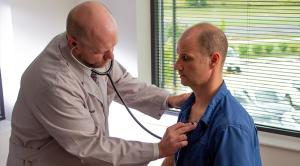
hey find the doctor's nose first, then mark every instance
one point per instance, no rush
(109, 55)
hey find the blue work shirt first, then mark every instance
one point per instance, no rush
(225, 135)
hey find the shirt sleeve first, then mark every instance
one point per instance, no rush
(156, 150)
(63, 114)
(233, 146)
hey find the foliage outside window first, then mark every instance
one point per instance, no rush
(262, 67)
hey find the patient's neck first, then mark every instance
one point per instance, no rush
(203, 96)
(197, 112)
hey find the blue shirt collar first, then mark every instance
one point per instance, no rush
(186, 107)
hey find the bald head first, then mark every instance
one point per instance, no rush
(90, 19)
(209, 39)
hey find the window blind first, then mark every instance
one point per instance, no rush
(262, 67)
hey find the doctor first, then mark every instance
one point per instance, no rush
(61, 115)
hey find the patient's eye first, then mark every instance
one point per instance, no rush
(185, 57)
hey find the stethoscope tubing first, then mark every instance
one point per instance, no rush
(107, 73)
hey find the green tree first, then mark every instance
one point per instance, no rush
(257, 49)
(170, 30)
(168, 66)
(222, 26)
(197, 3)
(282, 47)
(269, 48)
(293, 48)
(243, 49)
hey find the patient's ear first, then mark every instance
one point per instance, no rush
(215, 59)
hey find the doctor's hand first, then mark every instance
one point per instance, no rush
(168, 161)
(178, 100)
(174, 138)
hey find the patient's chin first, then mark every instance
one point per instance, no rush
(184, 82)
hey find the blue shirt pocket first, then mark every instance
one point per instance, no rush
(196, 153)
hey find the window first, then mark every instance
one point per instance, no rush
(2, 116)
(262, 67)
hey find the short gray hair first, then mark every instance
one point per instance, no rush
(212, 39)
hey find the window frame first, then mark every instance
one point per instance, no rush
(155, 39)
(2, 111)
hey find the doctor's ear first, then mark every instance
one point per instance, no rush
(74, 44)
(71, 41)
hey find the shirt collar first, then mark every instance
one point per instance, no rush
(211, 108)
(186, 107)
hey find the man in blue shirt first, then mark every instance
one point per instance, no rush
(225, 135)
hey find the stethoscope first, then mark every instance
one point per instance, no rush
(107, 73)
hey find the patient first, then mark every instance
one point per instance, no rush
(225, 134)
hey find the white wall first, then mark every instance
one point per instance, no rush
(26, 27)
(273, 156)
(31, 24)
(34, 22)
(125, 51)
